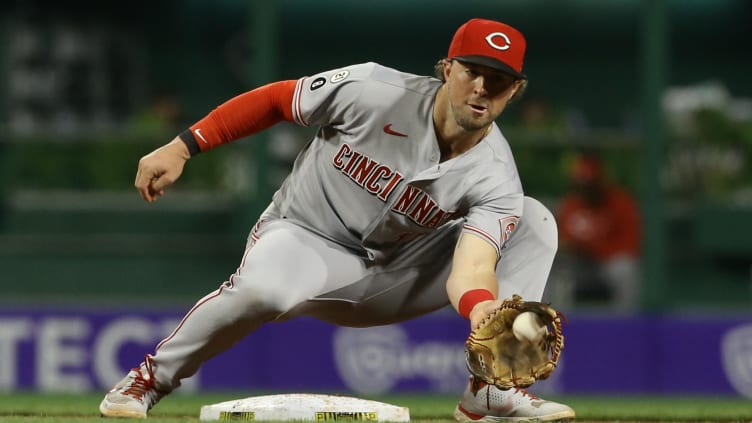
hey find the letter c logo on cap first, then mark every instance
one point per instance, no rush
(506, 42)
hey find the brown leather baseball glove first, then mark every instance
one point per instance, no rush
(497, 357)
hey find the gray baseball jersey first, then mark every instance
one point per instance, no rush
(362, 231)
(371, 179)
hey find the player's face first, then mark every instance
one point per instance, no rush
(477, 94)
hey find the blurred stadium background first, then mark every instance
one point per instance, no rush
(91, 277)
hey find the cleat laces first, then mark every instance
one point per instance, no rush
(525, 393)
(142, 384)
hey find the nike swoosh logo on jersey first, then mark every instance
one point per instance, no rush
(388, 129)
(198, 132)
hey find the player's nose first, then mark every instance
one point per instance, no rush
(480, 87)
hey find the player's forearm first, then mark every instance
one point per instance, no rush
(460, 285)
(473, 278)
(241, 116)
(468, 294)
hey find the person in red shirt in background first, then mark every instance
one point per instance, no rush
(600, 232)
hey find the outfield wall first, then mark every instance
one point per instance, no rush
(79, 350)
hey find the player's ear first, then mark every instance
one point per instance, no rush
(518, 90)
(447, 68)
(513, 92)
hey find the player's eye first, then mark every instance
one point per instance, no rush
(503, 82)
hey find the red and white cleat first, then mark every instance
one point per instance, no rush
(134, 395)
(488, 403)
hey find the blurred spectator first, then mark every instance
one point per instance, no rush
(600, 233)
(163, 114)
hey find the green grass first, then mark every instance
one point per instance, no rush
(48, 408)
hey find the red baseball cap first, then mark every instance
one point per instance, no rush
(489, 43)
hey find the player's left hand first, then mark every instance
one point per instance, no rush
(160, 169)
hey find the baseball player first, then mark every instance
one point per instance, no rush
(407, 199)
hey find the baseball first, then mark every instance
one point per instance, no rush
(528, 327)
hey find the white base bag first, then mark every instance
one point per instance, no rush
(307, 407)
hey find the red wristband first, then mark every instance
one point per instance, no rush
(472, 297)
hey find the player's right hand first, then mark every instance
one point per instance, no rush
(482, 310)
(160, 169)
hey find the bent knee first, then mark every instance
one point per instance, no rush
(261, 298)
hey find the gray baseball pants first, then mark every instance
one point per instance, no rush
(288, 271)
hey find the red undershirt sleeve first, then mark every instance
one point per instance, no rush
(241, 116)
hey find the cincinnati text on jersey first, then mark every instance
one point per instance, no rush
(381, 180)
